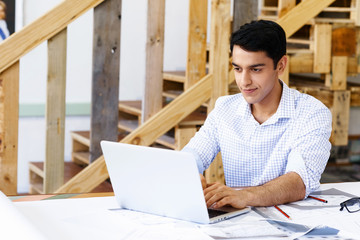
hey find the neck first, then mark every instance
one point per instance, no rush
(265, 109)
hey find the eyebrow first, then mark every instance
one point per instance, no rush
(251, 66)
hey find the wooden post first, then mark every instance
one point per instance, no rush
(322, 48)
(196, 52)
(355, 15)
(219, 67)
(9, 123)
(106, 69)
(339, 72)
(340, 113)
(183, 134)
(286, 74)
(244, 11)
(152, 101)
(55, 113)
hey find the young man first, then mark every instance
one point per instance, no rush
(274, 141)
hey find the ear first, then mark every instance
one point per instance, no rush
(282, 64)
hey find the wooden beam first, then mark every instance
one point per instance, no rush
(105, 79)
(183, 134)
(322, 48)
(286, 74)
(146, 134)
(244, 11)
(355, 15)
(42, 29)
(196, 52)
(301, 63)
(339, 73)
(301, 14)
(219, 66)
(285, 6)
(9, 122)
(152, 99)
(340, 113)
(55, 113)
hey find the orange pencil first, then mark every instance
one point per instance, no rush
(284, 213)
(319, 199)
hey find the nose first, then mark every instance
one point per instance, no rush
(243, 79)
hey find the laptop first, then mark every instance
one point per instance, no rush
(160, 181)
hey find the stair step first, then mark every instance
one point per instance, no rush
(130, 107)
(176, 76)
(131, 125)
(81, 158)
(82, 137)
(70, 170)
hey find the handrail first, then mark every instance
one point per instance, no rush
(42, 29)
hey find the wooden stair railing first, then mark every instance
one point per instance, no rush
(51, 26)
(188, 101)
(145, 134)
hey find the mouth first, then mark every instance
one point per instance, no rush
(248, 91)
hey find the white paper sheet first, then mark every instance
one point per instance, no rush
(13, 225)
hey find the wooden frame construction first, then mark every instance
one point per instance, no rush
(155, 118)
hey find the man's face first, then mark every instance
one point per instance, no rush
(255, 75)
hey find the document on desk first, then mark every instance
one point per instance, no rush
(314, 213)
(11, 220)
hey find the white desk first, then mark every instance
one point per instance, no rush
(90, 218)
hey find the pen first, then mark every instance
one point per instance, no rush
(319, 199)
(284, 213)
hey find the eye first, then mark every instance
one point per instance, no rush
(256, 69)
(237, 69)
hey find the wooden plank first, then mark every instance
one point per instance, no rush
(322, 48)
(196, 48)
(42, 29)
(183, 135)
(301, 14)
(55, 113)
(285, 6)
(301, 63)
(355, 14)
(285, 75)
(152, 98)
(343, 41)
(339, 73)
(244, 11)
(219, 66)
(340, 113)
(178, 76)
(105, 78)
(145, 134)
(9, 122)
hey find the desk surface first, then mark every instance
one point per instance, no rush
(39, 197)
(88, 215)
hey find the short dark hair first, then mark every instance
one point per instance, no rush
(261, 35)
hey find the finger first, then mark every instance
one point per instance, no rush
(215, 197)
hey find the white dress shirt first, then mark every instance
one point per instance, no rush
(294, 139)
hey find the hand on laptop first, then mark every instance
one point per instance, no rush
(218, 195)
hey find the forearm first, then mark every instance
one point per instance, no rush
(284, 189)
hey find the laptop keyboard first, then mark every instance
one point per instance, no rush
(215, 213)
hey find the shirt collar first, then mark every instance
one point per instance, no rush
(286, 107)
